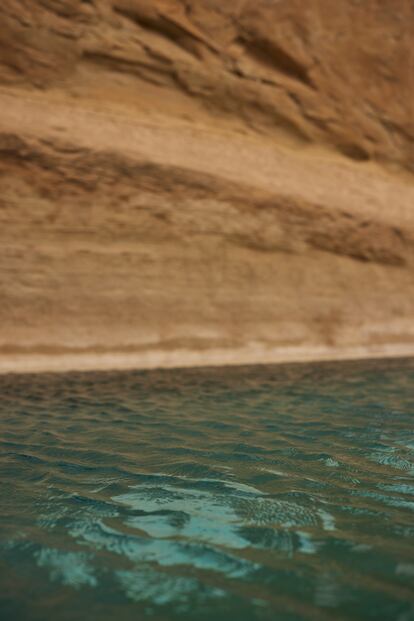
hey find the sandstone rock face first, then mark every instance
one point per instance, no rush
(195, 181)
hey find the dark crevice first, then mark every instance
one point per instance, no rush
(168, 28)
(274, 57)
(354, 152)
(136, 67)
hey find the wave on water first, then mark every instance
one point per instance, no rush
(250, 492)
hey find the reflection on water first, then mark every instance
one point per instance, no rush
(253, 493)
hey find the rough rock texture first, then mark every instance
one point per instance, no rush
(190, 181)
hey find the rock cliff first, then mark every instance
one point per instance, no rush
(199, 181)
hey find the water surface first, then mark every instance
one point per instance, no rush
(266, 493)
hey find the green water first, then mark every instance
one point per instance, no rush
(268, 493)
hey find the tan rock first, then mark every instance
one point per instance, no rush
(192, 181)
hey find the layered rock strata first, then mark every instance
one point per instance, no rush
(196, 182)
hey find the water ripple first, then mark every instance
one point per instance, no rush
(253, 493)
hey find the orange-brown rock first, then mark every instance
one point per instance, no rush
(190, 181)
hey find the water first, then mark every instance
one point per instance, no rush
(268, 493)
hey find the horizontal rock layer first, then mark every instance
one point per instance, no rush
(187, 182)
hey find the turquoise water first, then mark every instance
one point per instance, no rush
(268, 493)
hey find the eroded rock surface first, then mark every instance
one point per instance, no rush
(192, 180)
